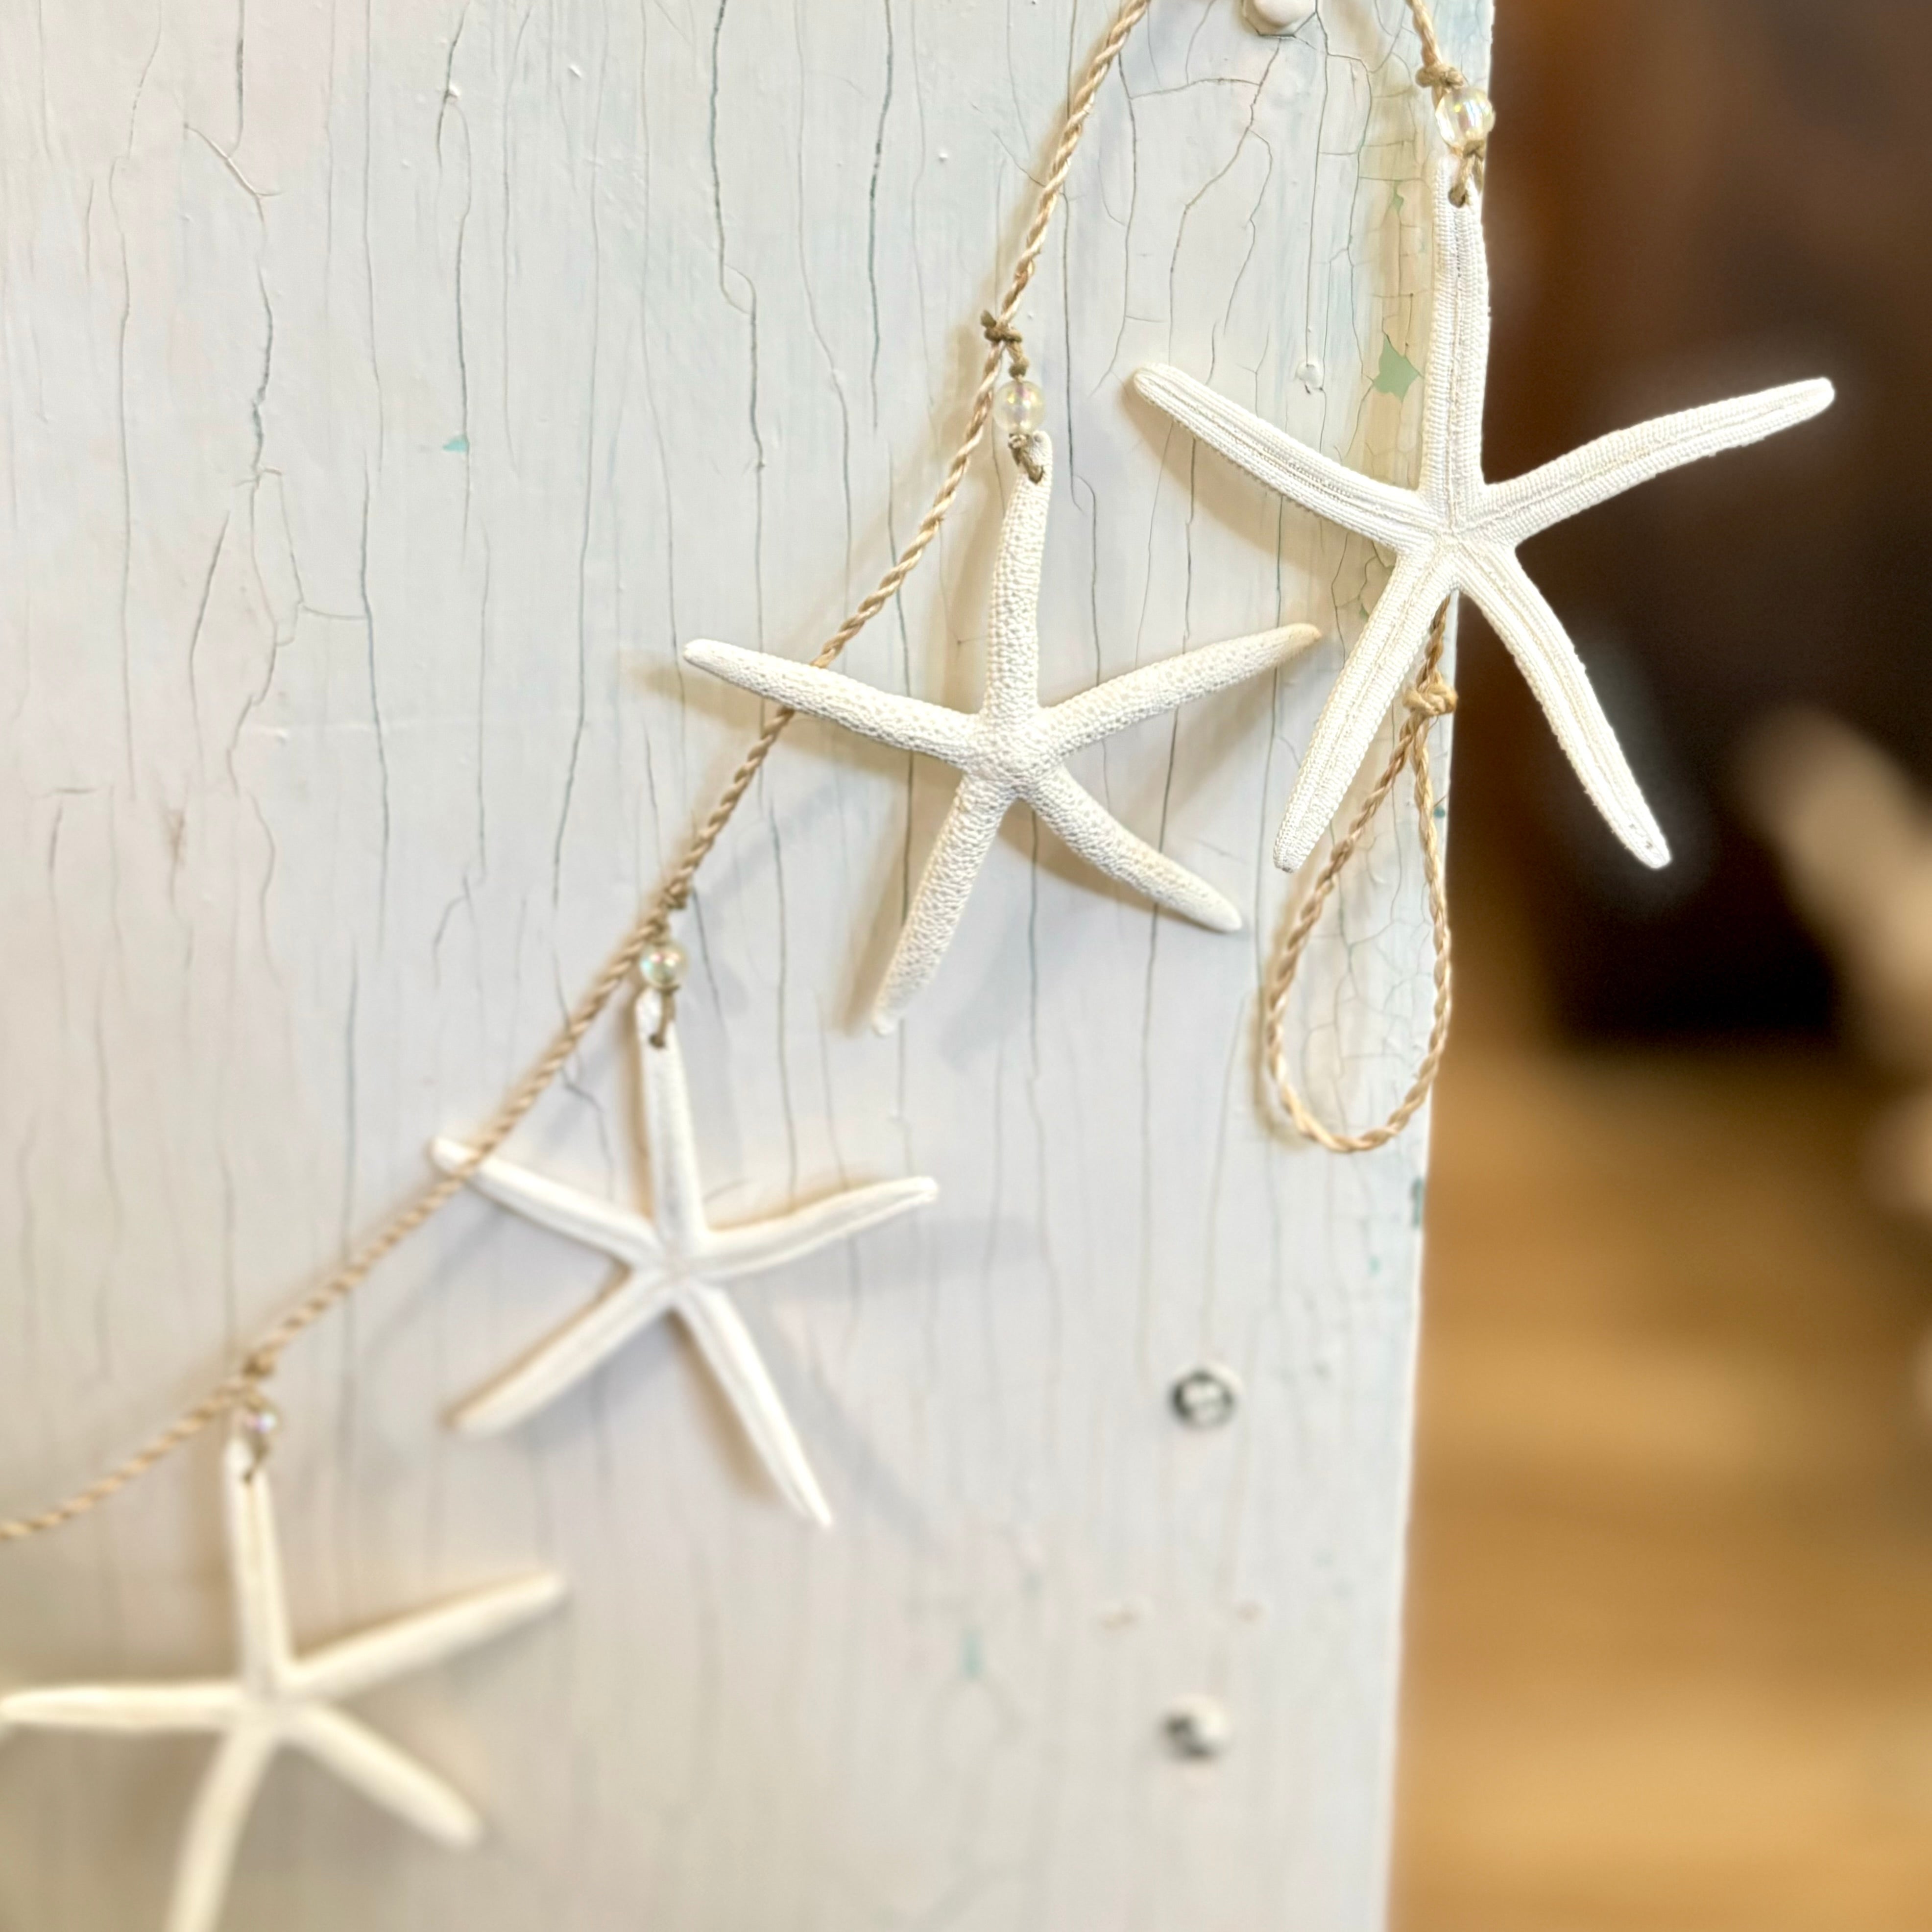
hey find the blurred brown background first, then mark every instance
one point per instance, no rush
(1671, 1659)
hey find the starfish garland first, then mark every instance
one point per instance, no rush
(1457, 533)
(1013, 748)
(278, 1698)
(673, 1262)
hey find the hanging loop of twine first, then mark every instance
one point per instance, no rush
(233, 1395)
(1442, 78)
(1430, 698)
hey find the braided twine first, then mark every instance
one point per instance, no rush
(1431, 696)
(241, 1391)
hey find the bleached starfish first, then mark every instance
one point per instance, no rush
(673, 1264)
(1458, 533)
(276, 1699)
(1013, 747)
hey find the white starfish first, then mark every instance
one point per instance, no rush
(1458, 533)
(276, 1699)
(672, 1263)
(1013, 747)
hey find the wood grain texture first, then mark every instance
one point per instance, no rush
(387, 390)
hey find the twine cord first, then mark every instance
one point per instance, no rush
(1443, 78)
(1431, 696)
(242, 1389)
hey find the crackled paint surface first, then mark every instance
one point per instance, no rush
(388, 390)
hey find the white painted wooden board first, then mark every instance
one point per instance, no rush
(386, 388)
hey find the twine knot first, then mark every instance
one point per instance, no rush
(1440, 77)
(1431, 696)
(1002, 335)
(256, 1371)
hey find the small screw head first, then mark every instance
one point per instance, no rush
(1198, 1728)
(1206, 1397)
(663, 967)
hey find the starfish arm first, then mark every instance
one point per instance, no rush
(964, 841)
(255, 1563)
(345, 1670)
(907, 722)
(1459, 349)
(1086, 827)
(576, 1215)
(1382, 657)
(764, 1244)
(221, 1808)
(670, 1141)
(720, 1333)
(1175, 681)
(1548, 661)
(1012, 613)
(1397, 518)
(581, 1346)
(1515, 511)
(385, 1776)
(127, 1709)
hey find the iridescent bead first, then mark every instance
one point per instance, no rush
(257, 1423)
(663, 967)
(1467, 117)
(1019, 406)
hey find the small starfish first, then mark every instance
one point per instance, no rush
(672, 1263)
(1458, 533)
(1014, 747)
(278, 1698)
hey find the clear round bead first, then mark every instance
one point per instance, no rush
(1466, 116)
(1310, 375)
(257, 1423)
(1019, 406)
(663, 967)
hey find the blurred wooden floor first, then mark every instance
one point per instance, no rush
(1671, 1625)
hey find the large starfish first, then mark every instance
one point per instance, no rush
(278, 1698)
(1457, 533)
(673, 1264)
(1013, 747)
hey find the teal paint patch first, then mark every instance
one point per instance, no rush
(1398, 375)
(458, 445)
(1418, 1199)
(972, 1656)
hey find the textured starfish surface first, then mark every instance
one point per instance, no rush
(278, 1698)
(673, 1264)
(1013, 748)
(1458, 533)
